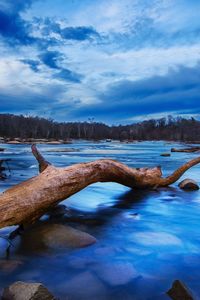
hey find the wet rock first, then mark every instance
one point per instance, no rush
(26, 291)
(165, 154)
(106, 251)
(81, 262)
(188, 184)
(13, 142)
(84, 286)
(118, 273)
(54, 142)
(58, 211)
(55, 237)
(179, 291)
(149, 238)
(9, 266)
(134, 216)
(2, 149)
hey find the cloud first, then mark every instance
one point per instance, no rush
(177, 92)
(108, 57)
(51, 59)
(68, 75)
(12, 27)
(15, 6)
(33, 64)
(78, 33)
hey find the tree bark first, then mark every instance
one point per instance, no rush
(29, 200)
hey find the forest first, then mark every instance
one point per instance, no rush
(29, 127)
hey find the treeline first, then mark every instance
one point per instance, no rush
(24, 127)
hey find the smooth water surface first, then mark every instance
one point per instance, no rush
(145, 239)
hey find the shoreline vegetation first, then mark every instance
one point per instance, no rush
(17, 129)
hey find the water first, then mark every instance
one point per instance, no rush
(145, 239)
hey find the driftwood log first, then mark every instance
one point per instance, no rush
(29, 200)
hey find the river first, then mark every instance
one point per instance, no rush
(145, 239)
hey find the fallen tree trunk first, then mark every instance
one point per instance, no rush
(29, 200)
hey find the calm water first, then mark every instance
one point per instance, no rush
(145, 239)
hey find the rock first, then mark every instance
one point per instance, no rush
(13, 142)
(118, 273)
(54, 143)
(26, 291)
(148, 238)
(179, 291)
(134, 216)
(77, 262)
(9, 266)
(83, 286)
(2, 149)
(58, 211)
(188, 184)
(165, 154)
(55, 237)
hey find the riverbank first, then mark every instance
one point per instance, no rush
(16, 141)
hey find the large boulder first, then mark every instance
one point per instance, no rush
(54, 237)
(179, 291)
(188, 184)
(26, 291)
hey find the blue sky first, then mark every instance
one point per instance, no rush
(117, 61)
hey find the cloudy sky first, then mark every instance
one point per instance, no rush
(117, 61)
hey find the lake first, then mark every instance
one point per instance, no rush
(145, 239)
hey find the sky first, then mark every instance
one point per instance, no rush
(112, 60)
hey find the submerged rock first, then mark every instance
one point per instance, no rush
(9, 266)
(26, 291)
(118, 273)
(84, 286)
(179, 291)
(148, 238)
(188, 184)
(60, 236)
(55, 237)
